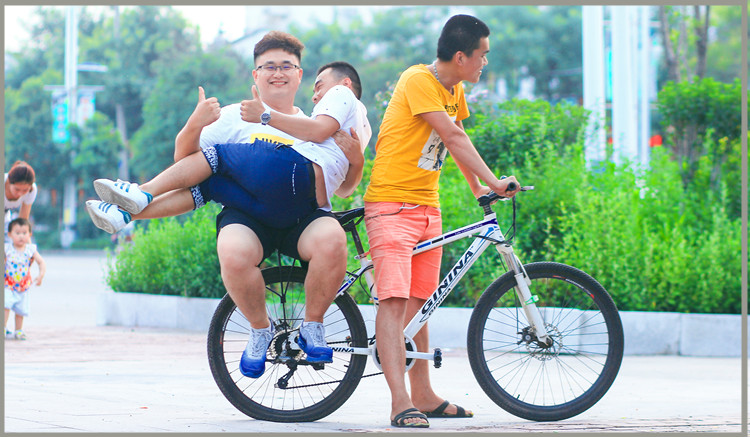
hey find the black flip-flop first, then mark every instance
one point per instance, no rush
(440, 412)
(400, 420)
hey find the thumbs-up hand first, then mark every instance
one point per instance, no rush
(250, 110)
(206, 111)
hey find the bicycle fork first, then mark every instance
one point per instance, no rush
(528, 300)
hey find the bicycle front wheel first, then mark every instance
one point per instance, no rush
(290, 390)
(546, 383)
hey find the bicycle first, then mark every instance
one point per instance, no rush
(546, 351)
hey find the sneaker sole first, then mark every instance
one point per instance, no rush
(101, 222)
(315, 360)
(110, 195)
(319, 361)
(251, 375)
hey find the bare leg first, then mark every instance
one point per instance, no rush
(19, 322)
(323, 245)
(390, 342)
(422, 394)
(7, 315)
(188, 171)
(170, 204)
(240, 252)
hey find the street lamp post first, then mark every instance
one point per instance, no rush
(65, 101)
(67, 235)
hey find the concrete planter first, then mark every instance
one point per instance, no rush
(646, 333)
(155, 311)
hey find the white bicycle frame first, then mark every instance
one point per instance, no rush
(487, 232)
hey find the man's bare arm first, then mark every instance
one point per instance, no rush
(206, 112)
(316, 129)
(352, 148)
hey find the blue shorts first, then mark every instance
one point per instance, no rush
(271, 183)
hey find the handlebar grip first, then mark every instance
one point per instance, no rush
(492, 196)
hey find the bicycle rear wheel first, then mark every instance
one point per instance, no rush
(290, 390)
(554, 383)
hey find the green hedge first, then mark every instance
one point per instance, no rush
(650, 247)
(653, 243)
(170, 256)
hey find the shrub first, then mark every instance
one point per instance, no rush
(648, 247)
(170, 257)
(506, 133)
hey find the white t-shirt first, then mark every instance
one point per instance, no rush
(341, 104)
(230, 128)
(26, 199)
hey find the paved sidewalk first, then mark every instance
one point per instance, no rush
(73, 376)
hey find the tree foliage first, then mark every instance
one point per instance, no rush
(44, 50)
(543, 43)
(173, 98)
(146, 41)
(722, 60)
(699, 114)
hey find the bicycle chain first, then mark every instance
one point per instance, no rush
(331, 382)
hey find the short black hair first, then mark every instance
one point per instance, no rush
(279, 40)
(344, 69)
(20, 221)
(461, 34)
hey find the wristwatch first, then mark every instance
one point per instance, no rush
(265, 117)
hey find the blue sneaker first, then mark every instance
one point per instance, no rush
(312, 340)
(253, 361)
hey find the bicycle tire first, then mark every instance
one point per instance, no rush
(311, 394)
(546, 384)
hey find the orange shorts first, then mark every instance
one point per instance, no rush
(393, 229)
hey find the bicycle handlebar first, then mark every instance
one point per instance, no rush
(492, 196)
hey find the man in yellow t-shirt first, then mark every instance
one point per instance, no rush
(421, 124)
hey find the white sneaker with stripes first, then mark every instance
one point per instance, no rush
(122, 193)
(107, 216)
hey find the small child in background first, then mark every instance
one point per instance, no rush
(19, 255)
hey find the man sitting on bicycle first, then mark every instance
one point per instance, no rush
(422, 122)
(255, 222)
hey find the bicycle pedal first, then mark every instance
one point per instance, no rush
(438, 358)
(318, 366)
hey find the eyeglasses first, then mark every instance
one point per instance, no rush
(272, 68)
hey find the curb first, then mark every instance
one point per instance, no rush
(646, 333)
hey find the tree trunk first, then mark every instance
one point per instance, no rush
(701, 43)
(682, 46)
(673, 72)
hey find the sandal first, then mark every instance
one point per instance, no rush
(440, 412)
(400, 420)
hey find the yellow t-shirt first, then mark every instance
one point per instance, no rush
(409, 153)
